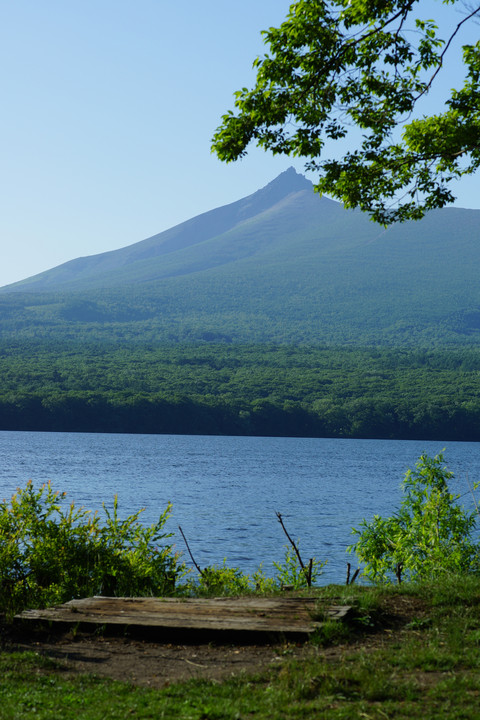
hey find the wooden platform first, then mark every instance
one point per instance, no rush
(276, 615)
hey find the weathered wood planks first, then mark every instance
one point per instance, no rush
(275, 615)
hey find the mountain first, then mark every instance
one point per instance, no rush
(218, 237)
(281, 265)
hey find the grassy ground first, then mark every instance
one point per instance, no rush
(408, 652)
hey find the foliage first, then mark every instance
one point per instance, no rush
(429, 536)
(242, 390)
(215, 581)
(359, 71)
(224, 580)
(291, 574)
(50, 555)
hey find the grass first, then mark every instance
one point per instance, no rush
(409, 652)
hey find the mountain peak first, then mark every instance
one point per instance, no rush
(287, 182)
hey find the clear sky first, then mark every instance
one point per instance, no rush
(108, 109)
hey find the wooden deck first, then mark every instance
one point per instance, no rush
(274, 616)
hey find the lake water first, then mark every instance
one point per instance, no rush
(225, 490)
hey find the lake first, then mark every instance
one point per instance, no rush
(225, 490)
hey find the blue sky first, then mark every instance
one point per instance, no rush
(107, 115)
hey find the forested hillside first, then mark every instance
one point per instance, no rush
(281, 314)
(281, 266)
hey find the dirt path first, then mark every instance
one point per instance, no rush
(147, 663)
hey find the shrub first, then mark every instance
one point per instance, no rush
(430, 534)
(223, 580)
(291, 574)
(49, 555)
(214, 581)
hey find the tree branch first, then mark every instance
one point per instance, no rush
(442, 55)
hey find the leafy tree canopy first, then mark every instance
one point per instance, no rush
(335, 70)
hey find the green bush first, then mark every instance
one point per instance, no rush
(49, 555)
(222, 580)
(215, 581)
(291, 574)
(430, 535)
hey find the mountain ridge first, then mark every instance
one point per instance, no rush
(281, 265)
(187, 234)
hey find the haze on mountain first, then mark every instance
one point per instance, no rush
(281, 265)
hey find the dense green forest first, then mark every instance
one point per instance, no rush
(241, 389)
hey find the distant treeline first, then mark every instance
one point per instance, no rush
(242, 390)
(357, 418)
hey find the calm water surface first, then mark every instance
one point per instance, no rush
(225, 490)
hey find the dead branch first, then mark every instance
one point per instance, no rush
(351, 580)
(190, 552)
(280, 520)
(307, 571)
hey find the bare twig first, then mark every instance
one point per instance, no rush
(351, 580)
(280, 520)
(190, 552)
(307, 571)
